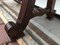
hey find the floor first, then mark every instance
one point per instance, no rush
(49, 27)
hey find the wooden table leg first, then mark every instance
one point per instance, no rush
(25, 13)
(50, 6)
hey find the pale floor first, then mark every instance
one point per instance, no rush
(49, 27)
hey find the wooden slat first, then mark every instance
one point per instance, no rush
(3, 18)
(21, 42)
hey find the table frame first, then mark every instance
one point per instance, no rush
(26, 12)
